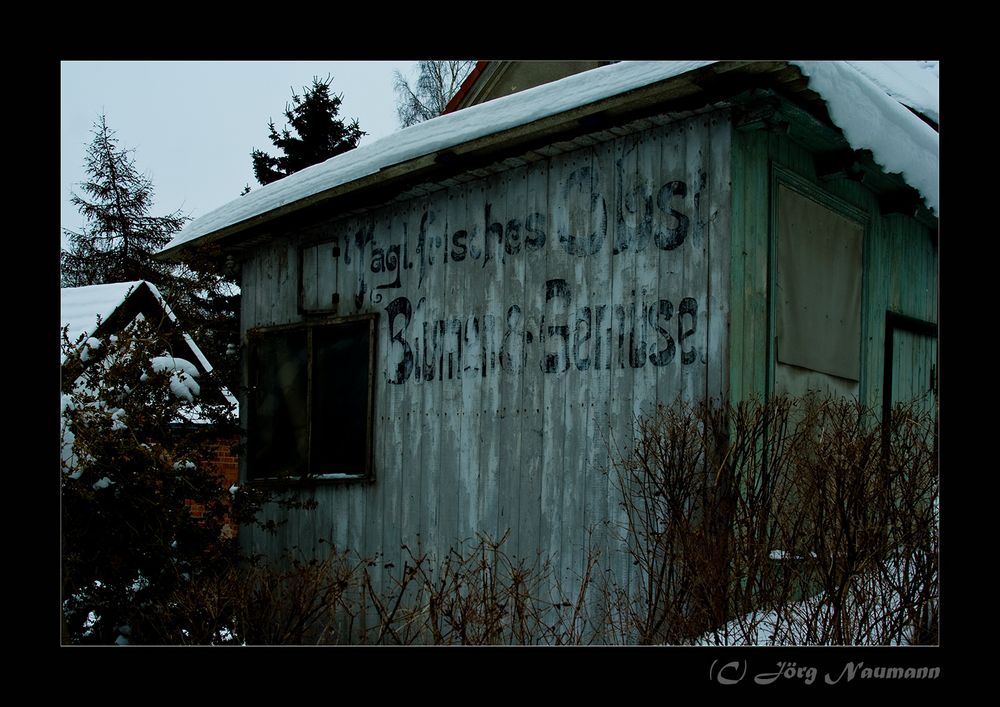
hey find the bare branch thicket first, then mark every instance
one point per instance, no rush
(790, 522)
(481, 596)
(795, 521)
(292, 602)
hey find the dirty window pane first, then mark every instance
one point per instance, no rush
(277, 418)
(341, 416)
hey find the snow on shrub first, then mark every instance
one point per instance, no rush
(182, 376)
(90, 346)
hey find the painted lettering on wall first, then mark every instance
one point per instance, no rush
(640, 331)
(404, 261)
(378, 265)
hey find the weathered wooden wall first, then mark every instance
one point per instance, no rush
(528, 315)
(525, 319)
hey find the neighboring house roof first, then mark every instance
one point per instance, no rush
(80, 307)
(868, 111)
(95, 310)
(466, 86)
(492, 79)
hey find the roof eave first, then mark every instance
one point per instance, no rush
(690, 86)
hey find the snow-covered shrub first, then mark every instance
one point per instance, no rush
(133, 463)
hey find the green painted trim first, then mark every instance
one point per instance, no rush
(748, 272)
(782, 175)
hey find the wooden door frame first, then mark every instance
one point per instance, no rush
(899, 322)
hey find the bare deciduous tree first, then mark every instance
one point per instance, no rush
(437, 83)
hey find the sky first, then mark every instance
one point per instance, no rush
(193, 124)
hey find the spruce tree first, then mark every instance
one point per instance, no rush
(120, 238)
(120, 235)
(316, 134)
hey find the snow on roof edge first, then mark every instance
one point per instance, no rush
(858, 105)
(871, 119)
(195, 349)
(202, 359)
(907, 82)
(439, 133)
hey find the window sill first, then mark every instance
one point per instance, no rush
(317, 480)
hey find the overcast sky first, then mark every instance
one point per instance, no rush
(193, 124)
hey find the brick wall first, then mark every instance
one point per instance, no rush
(222, 460)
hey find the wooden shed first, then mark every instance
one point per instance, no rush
(445, 331)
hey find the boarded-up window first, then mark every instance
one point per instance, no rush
(311, 400)
(819, 286)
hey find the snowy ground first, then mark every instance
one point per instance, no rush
(800, 623)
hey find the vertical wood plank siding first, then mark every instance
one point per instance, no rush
(525, 319)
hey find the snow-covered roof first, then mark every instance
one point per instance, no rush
(912, 83)
(865, 100)
(80, 307)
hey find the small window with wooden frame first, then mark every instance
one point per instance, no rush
(311, 400)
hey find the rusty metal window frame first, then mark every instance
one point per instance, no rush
(254, 336)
